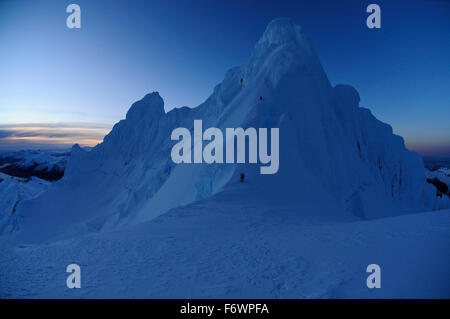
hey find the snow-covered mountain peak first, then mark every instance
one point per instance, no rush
(282, 32)
(151, 105)
(76, 148)
(336, 158)
(347, 95)
(284, 51)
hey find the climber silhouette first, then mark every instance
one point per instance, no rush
(242, 178)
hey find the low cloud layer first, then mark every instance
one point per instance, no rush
(51, 135)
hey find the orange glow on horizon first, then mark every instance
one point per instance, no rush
(52, 134)
(55, 140)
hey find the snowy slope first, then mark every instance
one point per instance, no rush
(12, 192)
(224, 247)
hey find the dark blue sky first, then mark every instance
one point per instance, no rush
(125, 49)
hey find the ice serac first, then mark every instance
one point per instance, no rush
(336, 158)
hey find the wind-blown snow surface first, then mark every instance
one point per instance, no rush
(15, 190)
(119, 210)
(224, 247)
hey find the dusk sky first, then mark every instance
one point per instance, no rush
(59, 86)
